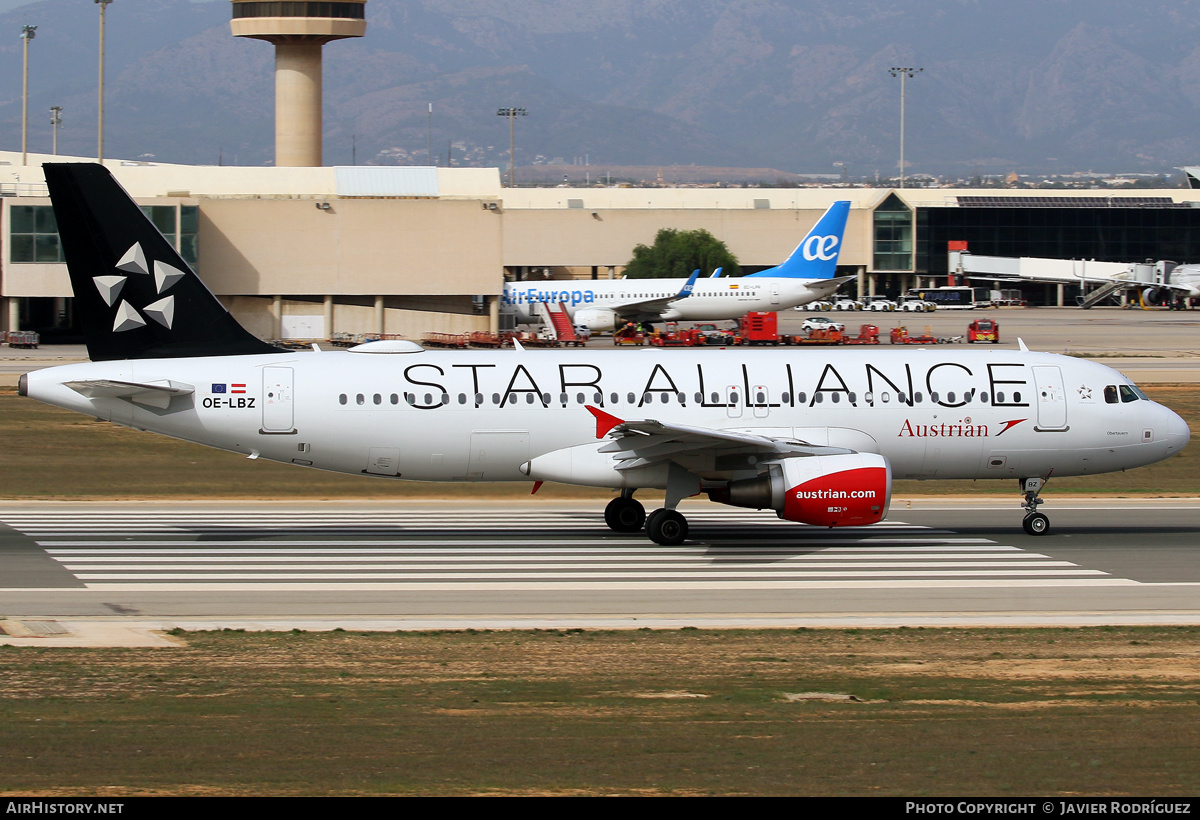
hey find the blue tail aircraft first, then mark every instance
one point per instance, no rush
(807, 275)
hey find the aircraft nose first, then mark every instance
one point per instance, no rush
(1177, 432)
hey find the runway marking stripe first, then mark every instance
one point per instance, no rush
(347, 551)
(505, 567)
(486, 546)
(575, 586)
(367, 556)
(500, 576)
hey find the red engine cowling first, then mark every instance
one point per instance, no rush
(851, 489)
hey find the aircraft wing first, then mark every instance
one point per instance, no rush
(650, 310)
(646, 442)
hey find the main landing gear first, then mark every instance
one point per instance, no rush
(625, 514)
(1035, 523)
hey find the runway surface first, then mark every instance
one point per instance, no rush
(430, 564)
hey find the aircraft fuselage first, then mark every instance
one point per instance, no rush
(481, 415)
(711, 299)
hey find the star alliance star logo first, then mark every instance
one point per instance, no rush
(1085, 392)
(133, 262)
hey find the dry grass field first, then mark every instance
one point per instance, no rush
(912, 712)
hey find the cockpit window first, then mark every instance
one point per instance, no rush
(1129, 393)
(1110, 394)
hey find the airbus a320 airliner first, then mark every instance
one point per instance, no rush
(816, 436)
(807, 275)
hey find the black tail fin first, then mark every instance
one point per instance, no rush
(136, 297)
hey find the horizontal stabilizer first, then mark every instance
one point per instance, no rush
(152, 394)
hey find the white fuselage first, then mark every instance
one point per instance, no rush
(481, 415)
(1187, 277)
(711, 299)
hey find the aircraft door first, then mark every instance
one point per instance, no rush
(774, 293)
(277, 400)
(1051, 398)
(760, 400)
(734, 401)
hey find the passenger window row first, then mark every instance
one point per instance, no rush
(1126, 393)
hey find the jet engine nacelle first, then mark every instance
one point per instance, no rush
(851, 489)
(596, 320)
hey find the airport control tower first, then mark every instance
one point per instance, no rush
(299, 30)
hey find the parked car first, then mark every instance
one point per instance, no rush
(847, 304)
(878, 303)
(815, 306)
(821, 323)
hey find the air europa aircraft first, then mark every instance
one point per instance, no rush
(817, 437)
(807, 275)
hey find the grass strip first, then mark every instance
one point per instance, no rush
(970, 712)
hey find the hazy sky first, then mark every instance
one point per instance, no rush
(9, 5)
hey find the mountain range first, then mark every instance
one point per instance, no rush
(1025, 85)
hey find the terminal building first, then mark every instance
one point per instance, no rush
(301, 251)
(311, 252)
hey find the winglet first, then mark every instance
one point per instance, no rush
(686, 290)
(604, 421)
(1021, 343)
(716, 274)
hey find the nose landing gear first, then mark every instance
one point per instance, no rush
(1035, 523)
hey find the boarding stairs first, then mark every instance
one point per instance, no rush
(1101, 293)
(557, 322)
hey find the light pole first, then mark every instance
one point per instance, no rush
(903, 74)
(511, 113)
(429, 136)
(26, 36)
(100, 125)
(55, 122)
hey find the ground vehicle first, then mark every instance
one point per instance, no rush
(821, 323)
(760, 328)
(910, 304)
(878, 303)
(900, 336)
(815, 307)
(983, 330)
(959, 297)
(867, 335)
(629, 335)
(847, 304)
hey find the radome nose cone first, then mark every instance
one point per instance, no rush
(1178, 432)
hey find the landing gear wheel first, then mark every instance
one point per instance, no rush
(667, 527)
(1036, 524)
(624, 515)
